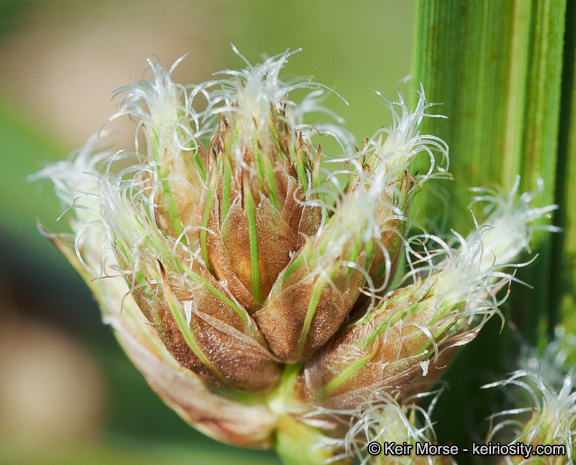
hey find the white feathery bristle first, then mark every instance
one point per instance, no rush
(258, 89)
(77, 183)
(164, 107)
(553, 410)
(472, 272)
(458, 278)
(252, 93)
(404, 142)
(509, 229)
(550, 363)
(382, 418)
(75, 178)
(359, 209)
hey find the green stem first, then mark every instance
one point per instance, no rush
(563, 291)
(496, 68)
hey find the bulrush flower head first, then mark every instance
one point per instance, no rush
(113, 235)
(249, 286)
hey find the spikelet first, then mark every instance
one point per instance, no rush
(444, 306)
(315, 293)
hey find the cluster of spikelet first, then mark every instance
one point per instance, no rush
(260, 295)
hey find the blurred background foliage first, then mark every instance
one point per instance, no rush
(67, 393)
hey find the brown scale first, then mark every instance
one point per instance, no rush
(393, 356)
(283, 316)
(238, 352)
(279, 231)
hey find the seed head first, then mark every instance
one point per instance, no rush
(255, 291)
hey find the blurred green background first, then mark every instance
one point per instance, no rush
(67, 393)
